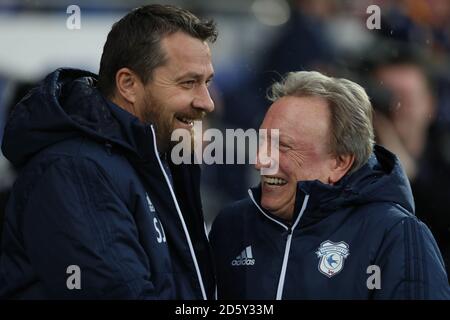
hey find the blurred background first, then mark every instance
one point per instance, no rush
(404, 66)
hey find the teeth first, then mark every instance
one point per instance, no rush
(187, 121)
(277, 181)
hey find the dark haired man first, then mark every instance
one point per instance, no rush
(98, 210)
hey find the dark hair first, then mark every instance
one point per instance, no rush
(134, 41)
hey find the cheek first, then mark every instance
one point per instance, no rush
(311, 167)
(321, 170)
(290, 165)
(141, 95)
(180, 99)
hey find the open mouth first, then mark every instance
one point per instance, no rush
(186, 121)
(274, 181)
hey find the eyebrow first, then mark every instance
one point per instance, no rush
(282, 136)
(194, 75)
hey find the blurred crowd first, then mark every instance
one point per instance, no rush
(404, 67)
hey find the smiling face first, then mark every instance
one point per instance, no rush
(304, 127)
(177, 94)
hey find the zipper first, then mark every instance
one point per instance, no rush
(284, 266)
(288, 241)
(250, 193)
(191, 248)
(288, 249)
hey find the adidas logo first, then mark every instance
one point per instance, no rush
(245, 258)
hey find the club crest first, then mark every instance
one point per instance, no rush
(332, 256)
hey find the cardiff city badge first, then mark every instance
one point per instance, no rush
(332, 257)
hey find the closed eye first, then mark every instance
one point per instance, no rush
(188, 84)
(284, 146)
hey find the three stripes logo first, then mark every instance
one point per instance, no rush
(244, 259)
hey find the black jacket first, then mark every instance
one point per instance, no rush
(341, 234)
(93, 193)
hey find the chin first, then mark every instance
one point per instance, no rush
(267, 204)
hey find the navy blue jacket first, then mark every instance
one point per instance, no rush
(93, 192)
(358, 239)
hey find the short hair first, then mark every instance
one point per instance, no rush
(350, 107)
(134, 41)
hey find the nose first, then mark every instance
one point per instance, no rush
(202, 99)
(262, 159)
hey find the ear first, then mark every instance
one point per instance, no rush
(128, 85)
(341, 165)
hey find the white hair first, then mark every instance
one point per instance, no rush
(350, 107)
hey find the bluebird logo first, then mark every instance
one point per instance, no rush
(332, 256)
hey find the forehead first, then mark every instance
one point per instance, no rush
(186, 53)
(299, 117)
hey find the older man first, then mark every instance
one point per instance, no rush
(336, 221)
